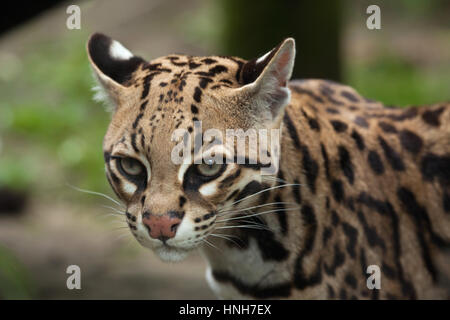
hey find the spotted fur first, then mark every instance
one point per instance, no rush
(359, 183)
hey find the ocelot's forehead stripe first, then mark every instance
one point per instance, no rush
(133, 142)
(146, 84)
(197, 95)
(137, 120)
(143, 106)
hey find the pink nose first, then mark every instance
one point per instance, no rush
(162, 227)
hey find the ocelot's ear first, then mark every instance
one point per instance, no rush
(265, 78)
(113, 66)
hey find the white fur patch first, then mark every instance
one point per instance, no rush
(222, 291)
(208, 189)
(253, 254)
(185, 230)
(253, 271)
(129, 188)
(119, 52)
(182, 171)
(179, 246)
(261, 59)
(101, 96)
(171, 254)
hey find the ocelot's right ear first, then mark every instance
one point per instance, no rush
(113, 66)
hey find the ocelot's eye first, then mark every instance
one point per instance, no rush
(209, 168)
(131, 166)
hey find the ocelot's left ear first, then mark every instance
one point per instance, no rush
(113, 66)
(265, 79)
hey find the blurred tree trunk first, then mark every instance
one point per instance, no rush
(254, 27)
(21, 13)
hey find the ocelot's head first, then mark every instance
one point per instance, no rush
(180, 107)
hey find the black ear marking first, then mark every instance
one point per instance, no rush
(253, 68)
(266, 77)
(118, 68)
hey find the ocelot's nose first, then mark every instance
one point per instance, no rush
(162, 227)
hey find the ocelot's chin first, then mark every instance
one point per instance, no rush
(171, 254)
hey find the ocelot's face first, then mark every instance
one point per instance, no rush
(172, 208)
(179, 194)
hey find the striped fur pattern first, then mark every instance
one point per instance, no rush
(359, 183)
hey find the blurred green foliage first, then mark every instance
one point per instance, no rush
(394, 81)
(51, 129)
(15, 282)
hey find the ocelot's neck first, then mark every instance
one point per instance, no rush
(295, 202)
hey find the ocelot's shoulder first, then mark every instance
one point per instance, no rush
(330, 93)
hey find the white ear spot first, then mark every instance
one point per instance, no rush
(261, 59)
(119, 52)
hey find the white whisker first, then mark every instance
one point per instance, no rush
(121, 236)
(204, 240)
(114, 209)
(257, 214)
(265, 190)
(107, 215)
(273, 178)
(222, 213)
(226, 238)
(96, 193)
(247, 226)
(119, 228)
